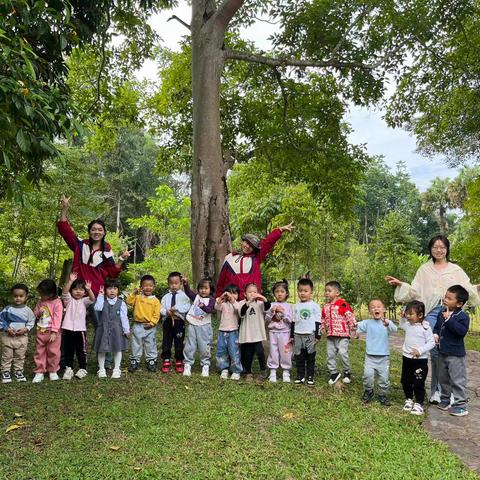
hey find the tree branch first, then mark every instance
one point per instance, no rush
(185, 24)
(226, 11)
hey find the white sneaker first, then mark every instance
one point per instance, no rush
(408, 405)
(38, 378)
(68, 374)
(224, 374)
(273, 376)
(102, 373)
(286, 376)
(205, 371)
(53, 376)
(417, 409)
(116, 373)
(235, 376)
(82, 373)
(187, 370)
(435, 398)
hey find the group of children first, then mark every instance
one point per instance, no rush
(186, 321)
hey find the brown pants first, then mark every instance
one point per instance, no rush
(13, 352)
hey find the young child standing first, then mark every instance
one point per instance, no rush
(74, 325)
(279, 319)
(338, 323)
(16, 320)
(228, 350)
(199, 326)
(48, 311)
(113, 328)
(418, 342)
(377, 356)
(146, 315)
(450, 330)
(175, 305)
(252, 331)
(305, 332)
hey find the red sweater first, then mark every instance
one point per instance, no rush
(92, 266)
(240, 270)
(338, 319)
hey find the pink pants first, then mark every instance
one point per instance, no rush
(47, 354)
(279, 354)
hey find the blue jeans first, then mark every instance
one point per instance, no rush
(228, 351)
(431, 318)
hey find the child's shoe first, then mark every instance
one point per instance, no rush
(234, 376)
(179, 366)
(383, 399)
(38, 378)
(310, 381)
(262, 376)
(82, 373)
(273, 376)
(116, 373)
(224, 374)
(19, 376)
(205, 371)
(417, 409)
(443, 406)
(187, 370)
(286, 376)
(458, 411)
(166, 366)
(435, 398)
(347, 378)
(6, 377)
(68, 374)
(53, 376)
(248, 378)
(299, 380)
(334, 377)
(367, 396)
(152, 365)
(102, 373)
(407, 407)
(133, 365)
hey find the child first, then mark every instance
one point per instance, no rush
(305, 332)
(48, 311)
(228, 350)
(418, 342)
(175, 305)
(338, 323)
(74, 325)
(450, 330)
(377, 356)
(199, 328)
(16, 321)
(113, 328)
(279, 319)
(146, 315)
(252, 330)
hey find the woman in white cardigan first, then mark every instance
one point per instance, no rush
(431, 282)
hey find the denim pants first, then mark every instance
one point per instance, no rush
(376, 365)
(199, 338)
(431, 318)
(228, 351)
(143, 339)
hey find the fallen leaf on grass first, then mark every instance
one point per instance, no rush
(18, 415)
(15, 426)
(137, 469)
(99, 396)
(187, 388)
(114, 448)
(288, 415)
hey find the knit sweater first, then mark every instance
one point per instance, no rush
(17, 317)
(338, 319)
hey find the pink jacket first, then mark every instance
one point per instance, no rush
(49, 314)
(75, 313)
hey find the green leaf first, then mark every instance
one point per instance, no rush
(22, 141)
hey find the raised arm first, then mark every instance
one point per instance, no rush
(267, 244)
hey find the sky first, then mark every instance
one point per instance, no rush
(368, 126)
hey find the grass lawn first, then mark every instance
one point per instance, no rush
(148, 426)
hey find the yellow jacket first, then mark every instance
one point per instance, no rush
(145, 309)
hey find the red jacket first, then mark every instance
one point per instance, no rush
(240, 270)
(338, 319)
(90, 266)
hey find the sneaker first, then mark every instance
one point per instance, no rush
(443, 406)
(187, 370)
(116, 373)
(166, 366)
(286, 376)
(133, 365)
(152, 365)
(273, 376)
(68, 374)
(102, 373)
(53, 376)
(435, 398)
(408, 405)
(310, 381)
(179, 366)
(248, 378)
(6, 377)
(417, 409)
(262, 376)
(299, 381)
(383, 399)
(38, 378)
(82, 373)
(347, 378)
(224, 374)
(205, 371)
(334, 377)
(458, 411)
(234, 376)
(19, 376)
(367, 396)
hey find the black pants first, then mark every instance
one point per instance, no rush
(247, 352)
(173, 333)
(305, 362)
(414, 373)
(75, 343)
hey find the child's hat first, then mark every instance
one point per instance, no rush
(253, 240)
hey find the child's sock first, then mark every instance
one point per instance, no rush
(117, 360)
(101, 360)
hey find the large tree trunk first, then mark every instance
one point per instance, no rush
(210, 235)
